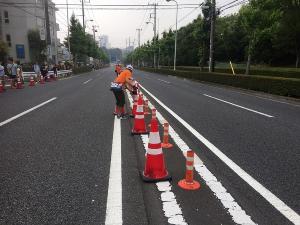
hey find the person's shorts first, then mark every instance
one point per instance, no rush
(120, 98)
(13, 76)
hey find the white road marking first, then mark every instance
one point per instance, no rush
(114, 196)
(164, 81)
(87, 81)
(27, 111)
(238, 215)
(242, 107)
(171, 208)
(284, 209)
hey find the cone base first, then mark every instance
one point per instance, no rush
(189, 186)
(146, 179)
(136, 132)
(166, 145)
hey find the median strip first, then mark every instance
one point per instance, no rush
(26, 112)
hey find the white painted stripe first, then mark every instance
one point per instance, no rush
(285, 210)
(164, 81)
(171, 208)
(114, 196)
(189, 167)
(27, 111)
(190, 159)
(154, 151)
(242, 107)
(87, 81)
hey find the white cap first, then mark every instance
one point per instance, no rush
(129, 67)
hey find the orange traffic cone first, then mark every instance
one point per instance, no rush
(115, 111)
(135, 99)
(155, 169)
(1, 87)
(42, 81)
(139, 126)
(166, 143)
(189, 183)
(31, 82)
(146, 107)
(48, 78)
(19, 84)
(153, 116)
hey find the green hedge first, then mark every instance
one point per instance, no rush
(82, 69)
(273, 85)
(272, 72)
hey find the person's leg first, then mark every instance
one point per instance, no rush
(117, 109)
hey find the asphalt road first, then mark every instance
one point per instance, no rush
(56, 163)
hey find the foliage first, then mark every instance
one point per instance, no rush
(37, 47)
(267, 30)
(82, 69)
(83, 45)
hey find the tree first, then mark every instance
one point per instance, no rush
(37, 47)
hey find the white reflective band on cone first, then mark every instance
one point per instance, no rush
(154, 138)
(139, 108)
(139, 116)
(154, 151)
(189, 167)
(191, 159)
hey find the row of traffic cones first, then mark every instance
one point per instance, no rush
(155, 168)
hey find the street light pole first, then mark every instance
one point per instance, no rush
(175, 44)
(212, 36)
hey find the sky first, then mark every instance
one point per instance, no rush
(120, 25)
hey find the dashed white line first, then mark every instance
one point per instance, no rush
(279, 205)
(26, 112)
(87, 81)
(242, 107)
(164, 81)
(114, 195)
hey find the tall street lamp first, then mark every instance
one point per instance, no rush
(175, 49)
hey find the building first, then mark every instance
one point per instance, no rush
(63, 53)
(17, 17)
(103, 41)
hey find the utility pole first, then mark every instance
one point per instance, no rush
(68, 20)
(212, 36)
(154, 58)
(139, 42)
(82, 6)
(48, 36)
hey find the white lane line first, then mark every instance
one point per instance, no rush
(164, 81)
(284, 209)
(27, 111)
(238, 215)
(87, 81)
(171, 208)
(242, 107)
(114, 196)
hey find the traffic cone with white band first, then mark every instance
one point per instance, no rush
(42, 81)
(19, 83)
(134, 107)
(31, 82)
(139, 126)
(153, 116)
(1, 87)
(189, 183)
(155, 169)
(48, 78)
(166, 143)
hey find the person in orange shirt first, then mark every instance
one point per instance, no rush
(123, 81)
(118, 69)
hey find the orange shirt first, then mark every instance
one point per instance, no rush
(121, 79)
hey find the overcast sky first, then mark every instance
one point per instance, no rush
(119, 25)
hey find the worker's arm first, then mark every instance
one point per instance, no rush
(129, 83)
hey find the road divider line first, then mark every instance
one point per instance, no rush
(238, 215)
(171, 208)
(164, 81)
(26, 112)
(279, 205)
(242, 107)
(114, 196)
(87, 81)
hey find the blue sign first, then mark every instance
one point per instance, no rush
(20, 51)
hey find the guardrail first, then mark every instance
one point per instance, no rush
(60, 73)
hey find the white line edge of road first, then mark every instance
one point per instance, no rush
(238, 215)
(87, 81)
(242, 107)
(171, 208)
(284, 209)
(114, 196)
(26, 112)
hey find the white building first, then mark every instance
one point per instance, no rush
(103, 41)
(17, 17)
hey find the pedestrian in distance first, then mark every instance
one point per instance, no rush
(44, 71)
(2, 75)
(12, 71)
(118, 86)
(37, 71)
(118, 68)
